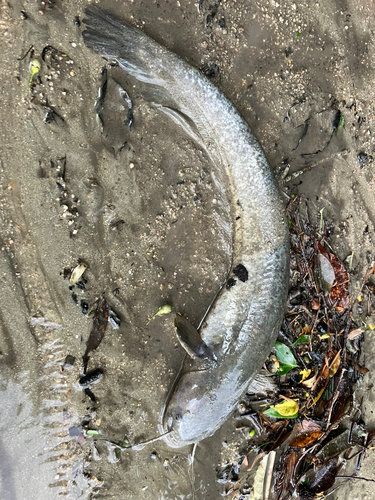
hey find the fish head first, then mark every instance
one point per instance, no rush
(196, 408)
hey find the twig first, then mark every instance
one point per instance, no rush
(356, 477)
(23, 57)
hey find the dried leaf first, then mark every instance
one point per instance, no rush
(289, 470)
(305, 374)
(320, 393)
(355, 333)
(359, 368)
(315, 305)
(77, 273)
(334, 366)
(326, 272)
(307, 433)
(324, 477)
(339, 295)
(259, 479)
(325, 368)
(311, 381)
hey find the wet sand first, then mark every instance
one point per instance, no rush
(137, 205)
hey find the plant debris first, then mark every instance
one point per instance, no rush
(310, 422)
(99, 327)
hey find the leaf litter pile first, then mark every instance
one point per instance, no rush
(304, 430)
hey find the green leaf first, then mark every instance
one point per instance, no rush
(342, 123)
(92, 432)
(271, 412)
(302, 339)
(324, 336)
(285, 357)
(298, 33)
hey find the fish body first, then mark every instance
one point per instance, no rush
(244, 320)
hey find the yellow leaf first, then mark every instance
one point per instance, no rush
(359, 298)
(334, 366)
(286, 408)
(305, 374)
(320, 393)
(311, 381)
(372, 327)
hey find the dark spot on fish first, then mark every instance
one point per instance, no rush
(84, 307)
(241, 272)
(221, 23)
(231, 282)
(237, 218)
(75, 298)
(92, 377)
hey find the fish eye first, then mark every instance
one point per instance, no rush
(178, 417)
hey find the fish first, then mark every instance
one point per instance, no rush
(242, 324)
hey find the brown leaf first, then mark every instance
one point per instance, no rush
(339, 295)
(289, 470)
(307, 426)
(305, 440)
(311, 381)
(324, 477)
(325, 368)
(341, 407)
(315, 305)
(355, 333)
(307, 432)
(359, 368)
(334, 366)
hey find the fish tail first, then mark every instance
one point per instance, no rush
(115, 39)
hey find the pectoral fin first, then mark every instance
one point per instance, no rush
(191, 340)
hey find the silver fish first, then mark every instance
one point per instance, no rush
(243, 323)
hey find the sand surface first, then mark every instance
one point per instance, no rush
(136, 205)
